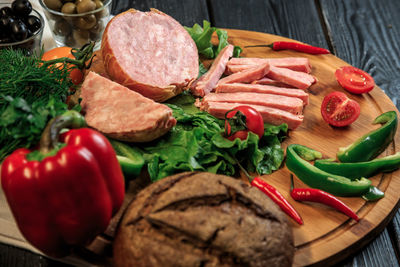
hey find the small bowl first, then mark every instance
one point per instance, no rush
(32, 44)
(75, 30)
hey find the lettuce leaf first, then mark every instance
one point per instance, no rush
(196, 143)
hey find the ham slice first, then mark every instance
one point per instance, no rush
(297, 79)
(248, 75)
(268, 81)
(289, 104)
(206, 83)
(121, 113)
(270, 115)
(265, 89)
(294, 63)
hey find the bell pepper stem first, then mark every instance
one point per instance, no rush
(70, 119)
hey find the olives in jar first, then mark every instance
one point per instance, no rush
(21, 8)
(86, 22)
(68, 8)
(53, 4)
(16, 23)
(85, 6)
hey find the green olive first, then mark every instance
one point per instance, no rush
(96, 31)
(86, 22)
(99, 4)
(85, 6)
(81, 37)
(61, 27)
(78, 1)
(68, 8)
(53, 4)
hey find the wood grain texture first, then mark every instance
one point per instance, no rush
(366, 33)
(290, 18)
(328, 236)
(186, 12)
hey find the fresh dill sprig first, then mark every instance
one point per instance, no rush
(30, 95)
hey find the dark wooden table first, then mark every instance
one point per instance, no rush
(365, 33)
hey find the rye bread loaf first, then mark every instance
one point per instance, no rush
(203, 219)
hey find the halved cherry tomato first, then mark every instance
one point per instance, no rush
(339, 110)
(76, 75)
(241, 120)
(354, 80)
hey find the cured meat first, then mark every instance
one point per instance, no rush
(248, 75)
(121, 113)
(270, 115)
(297, 79)
(150, 53)
(208, 81)
(268, 81)
(265, 89)
(294, 63)
(290, 104)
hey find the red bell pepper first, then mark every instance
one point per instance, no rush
(63, 194)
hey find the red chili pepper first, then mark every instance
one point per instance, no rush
(305, 48)
(277, 197)
(319, 196)
(63, 195)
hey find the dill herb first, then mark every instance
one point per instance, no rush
(30, 94)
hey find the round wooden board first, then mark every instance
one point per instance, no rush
(328, 236)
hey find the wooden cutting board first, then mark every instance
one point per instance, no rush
(327, 236)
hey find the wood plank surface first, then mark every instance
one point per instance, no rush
(298, 20)
(363, 33)
(366, 34)
(327, 236)
(186, 12)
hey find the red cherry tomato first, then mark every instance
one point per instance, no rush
(76, 75)
(252, 122)
(354, 80)
(339, 110)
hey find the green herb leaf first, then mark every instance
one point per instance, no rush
(202, 38)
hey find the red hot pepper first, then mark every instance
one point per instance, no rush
(277, 197)
(305, 48)
(319, 196)
(63, 197)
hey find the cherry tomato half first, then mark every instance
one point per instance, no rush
(354, 80)
(253, 123)
(339, 110)
(76, 75)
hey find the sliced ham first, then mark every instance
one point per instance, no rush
(268, 81)
(294, 63)
(121, 113)
(297, 79)
(265, 89)
(289, 104)
(206, 83)
(247, 75)
(270, 115)
(150, 53)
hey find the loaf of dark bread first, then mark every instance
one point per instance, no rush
(203, 219)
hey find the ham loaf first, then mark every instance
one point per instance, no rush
(150, 53)
(121, 113)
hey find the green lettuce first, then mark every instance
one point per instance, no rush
(196, 143)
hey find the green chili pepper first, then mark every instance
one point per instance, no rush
(356, 170)
(130, 158)
(373, 143)
(296, 156)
